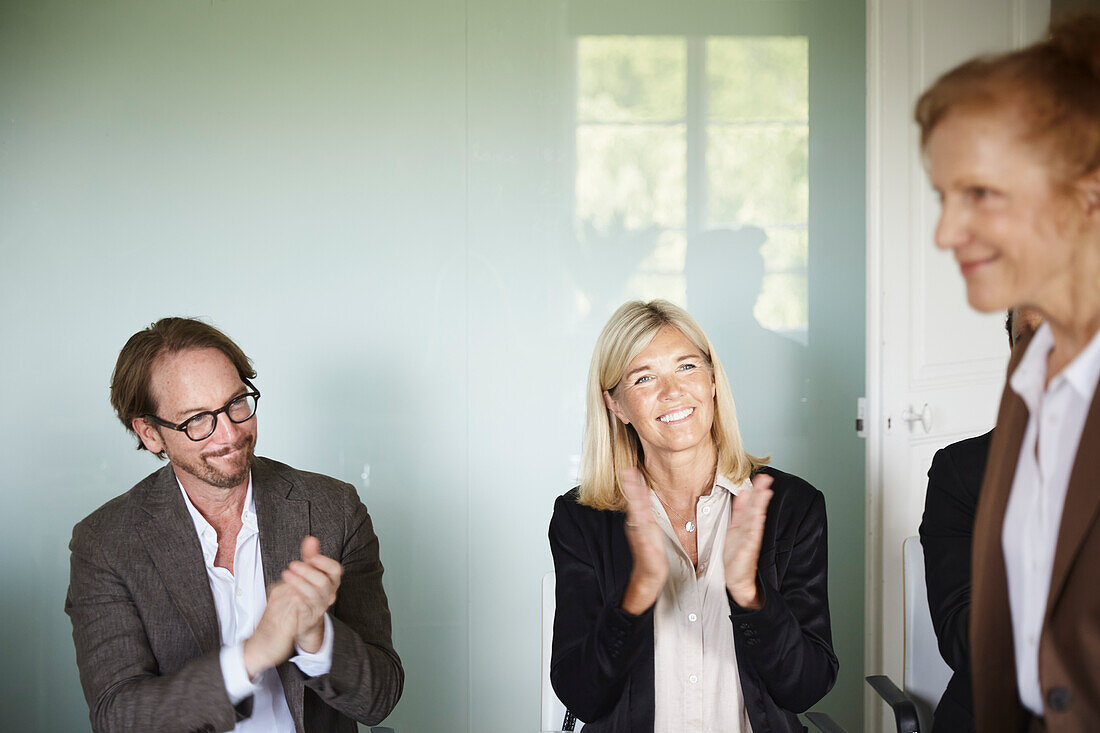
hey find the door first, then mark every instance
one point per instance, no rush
(935, 367)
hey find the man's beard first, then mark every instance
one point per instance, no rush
(203, 470)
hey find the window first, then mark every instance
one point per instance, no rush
(684, 138)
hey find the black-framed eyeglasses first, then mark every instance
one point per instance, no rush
(202, 426)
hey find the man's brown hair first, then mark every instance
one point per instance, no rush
(130, 393)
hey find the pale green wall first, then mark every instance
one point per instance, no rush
(376, 201)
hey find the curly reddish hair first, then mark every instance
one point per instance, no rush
(1052, 88)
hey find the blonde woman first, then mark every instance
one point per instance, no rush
(691, 579)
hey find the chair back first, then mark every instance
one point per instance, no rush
(926, 674)
(553, 711)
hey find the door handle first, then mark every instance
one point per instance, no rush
(924, 417)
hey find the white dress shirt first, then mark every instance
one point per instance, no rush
(240, 598)
(1056, 417)
(696, 683)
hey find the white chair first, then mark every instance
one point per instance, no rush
(553, 711)
(925, 673)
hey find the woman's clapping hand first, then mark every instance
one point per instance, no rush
(647, 545)
(743, 538)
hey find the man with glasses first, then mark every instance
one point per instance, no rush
(224, 591)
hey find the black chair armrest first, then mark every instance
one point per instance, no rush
(824, 723)
(905, 711)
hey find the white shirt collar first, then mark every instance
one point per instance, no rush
(1083, 371)
(1029, 379)
(733, 487)
(208, 537)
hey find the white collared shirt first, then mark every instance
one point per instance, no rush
(696, 683)
(1056, 417)
(240, 598)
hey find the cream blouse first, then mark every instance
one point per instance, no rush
(696, 683)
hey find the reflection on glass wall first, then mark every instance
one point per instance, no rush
(680, 136)
(692, 176)
(631, 186)
(441, 204)
(757, 156)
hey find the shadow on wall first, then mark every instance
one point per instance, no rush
(768, 372)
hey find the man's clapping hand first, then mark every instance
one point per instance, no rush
(295, 610)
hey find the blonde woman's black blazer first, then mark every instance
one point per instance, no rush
(602, 661)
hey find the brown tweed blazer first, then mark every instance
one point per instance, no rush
(146, 632)
(1069, 646)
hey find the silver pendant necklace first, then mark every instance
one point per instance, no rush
(688, 524)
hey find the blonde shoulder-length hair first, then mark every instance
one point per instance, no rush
(610, 446)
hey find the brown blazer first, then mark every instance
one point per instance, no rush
(146, 632)
(1069, 646)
